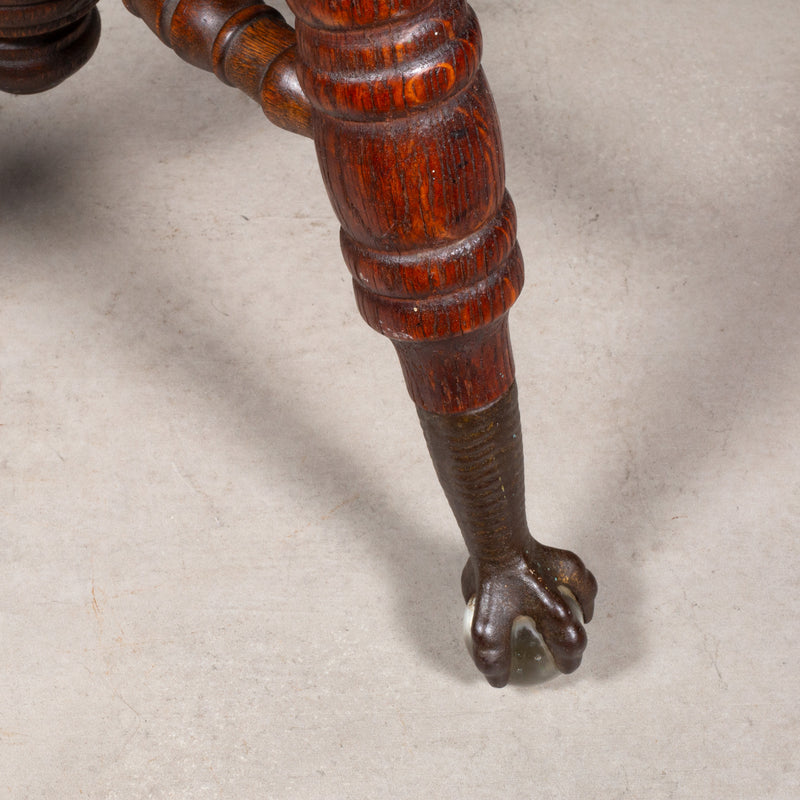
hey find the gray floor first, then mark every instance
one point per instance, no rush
(227, 571)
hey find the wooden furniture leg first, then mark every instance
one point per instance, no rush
(42, 43)
(409, 147)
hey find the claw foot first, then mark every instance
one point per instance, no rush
(524, 618)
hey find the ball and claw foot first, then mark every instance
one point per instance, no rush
(525, 617)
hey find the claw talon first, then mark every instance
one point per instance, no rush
(523, 625)
(532, 662)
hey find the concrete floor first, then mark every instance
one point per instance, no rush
(226, 568)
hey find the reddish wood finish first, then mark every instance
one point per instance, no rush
(42, 44)
(409, 146)
(245, 43)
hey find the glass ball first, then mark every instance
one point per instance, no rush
(531, 659)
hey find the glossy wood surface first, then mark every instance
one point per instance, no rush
(409, 147)
(478, 458)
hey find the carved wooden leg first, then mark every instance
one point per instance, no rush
(42, 44)
(409, 146)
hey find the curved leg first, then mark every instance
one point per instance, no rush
(409, 146)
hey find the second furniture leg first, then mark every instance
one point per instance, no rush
(43, 43)
(409, 147)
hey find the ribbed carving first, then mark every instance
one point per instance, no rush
(409, 146)
(403, 65)
(445, 291)
(441, 316)
(356, 13)
(42, 44)
(479, 462)
(438, 270)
